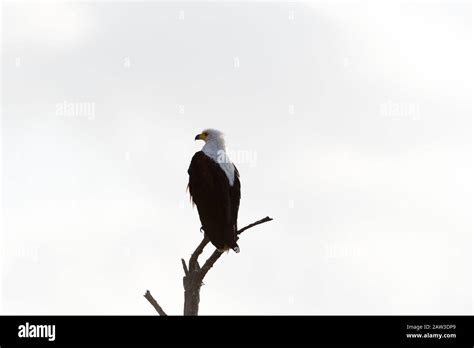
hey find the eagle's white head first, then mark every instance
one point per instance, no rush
(213, 137)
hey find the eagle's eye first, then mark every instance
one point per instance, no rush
(205, 134)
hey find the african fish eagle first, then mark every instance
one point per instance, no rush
(214, 187)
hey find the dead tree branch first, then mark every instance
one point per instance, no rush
(154, 303)
(261, 221)
(194, 274)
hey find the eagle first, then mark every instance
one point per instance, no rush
(214, 187)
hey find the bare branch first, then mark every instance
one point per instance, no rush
(193, 264)
(185, 268)
(209, 263)
(155, 304)
(265, 219)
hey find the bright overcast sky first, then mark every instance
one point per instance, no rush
(350, 125)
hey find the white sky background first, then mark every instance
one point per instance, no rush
(356, 123)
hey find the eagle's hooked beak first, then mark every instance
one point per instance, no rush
(201, 136)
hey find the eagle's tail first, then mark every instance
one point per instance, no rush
(224, 240)
(233, 244)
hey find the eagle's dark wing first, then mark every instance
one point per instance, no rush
(211, 192)
(235, 200)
